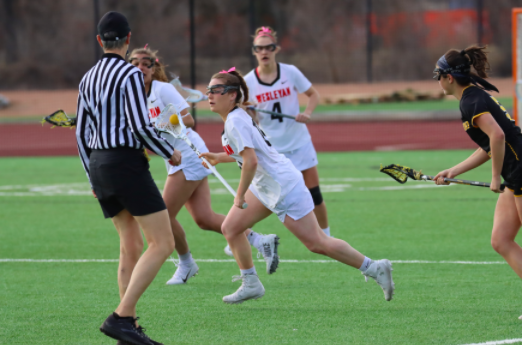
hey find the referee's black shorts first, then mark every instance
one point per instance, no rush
(121, 180)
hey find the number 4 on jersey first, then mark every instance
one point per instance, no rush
(277, 109)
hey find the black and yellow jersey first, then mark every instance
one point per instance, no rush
(476, 102)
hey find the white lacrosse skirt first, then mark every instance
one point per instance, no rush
(190, 162)
(296, 204)
(304, 157)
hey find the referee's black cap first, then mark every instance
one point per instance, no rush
(113, 27)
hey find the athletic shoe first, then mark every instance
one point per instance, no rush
(142, 331)
(228, 251)
(251, 288)
(520, 317)
(183, 273)
(268, 247)
(381, 272)
(124, 329)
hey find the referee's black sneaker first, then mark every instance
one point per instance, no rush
(142, 331)
(124, 329)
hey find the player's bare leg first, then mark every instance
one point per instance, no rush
(307, 230)
(506, 224)
(156, 228)
(131, 247)
(234, 226)
(311, 178)
(199, 207)
(176, 193)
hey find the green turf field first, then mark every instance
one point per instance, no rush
(47, 212)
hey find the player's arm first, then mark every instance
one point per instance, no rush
(188, 120)
(248, 171)
(216, 158)
(169, 95)
(476, 159)
(497, 142)
(313, 101)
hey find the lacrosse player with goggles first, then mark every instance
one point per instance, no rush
(270, 183)
(275, 87)
(491, 127)
(187, 183)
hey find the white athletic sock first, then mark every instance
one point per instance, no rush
(253, 238)
(249, 271)
(366, 263)
(327, 231)
(186, 258)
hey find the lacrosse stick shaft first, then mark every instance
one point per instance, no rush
(213, 169)
(272, 113)
(464, 182)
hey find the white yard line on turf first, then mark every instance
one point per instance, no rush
(499, 342)
(282, 260)
(83, 188)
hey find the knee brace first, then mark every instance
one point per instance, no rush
(316, 195)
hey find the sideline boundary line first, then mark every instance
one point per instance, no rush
(499, 342)
(232, 260)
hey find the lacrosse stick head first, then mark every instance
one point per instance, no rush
(59, 118)
(190, 95)
(163, 124)
(400, 173)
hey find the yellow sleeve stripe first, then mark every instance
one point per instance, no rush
(473, 118)
(511, 147)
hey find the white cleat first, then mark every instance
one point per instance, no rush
(520, 317)
(183, 273)
(251, 288)
(228, 251)
(381, 272)
(268, 248)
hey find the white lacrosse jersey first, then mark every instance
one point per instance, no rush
(275, 175)
(160, 95)
(280, 96)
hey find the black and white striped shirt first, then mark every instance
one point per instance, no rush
(112, 111)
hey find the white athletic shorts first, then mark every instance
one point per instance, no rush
(190, 162)
(296, 204)
(304, 157)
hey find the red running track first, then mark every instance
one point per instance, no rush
(38, 140)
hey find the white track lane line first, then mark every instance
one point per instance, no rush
(499, 342)
(283, 260)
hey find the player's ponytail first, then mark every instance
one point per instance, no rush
(159, 68)
(478, 58)
(234, 78)
(459, 63)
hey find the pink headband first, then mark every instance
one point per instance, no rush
(230, 70)
(265, 32)
(157, 60)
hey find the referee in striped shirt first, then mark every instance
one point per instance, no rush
(113, 128)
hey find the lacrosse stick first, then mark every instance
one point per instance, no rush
(190, 95)
(272, 113)
(401, 173)
(59, 118)
(168, 121)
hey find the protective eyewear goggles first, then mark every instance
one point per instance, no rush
(147, 61)
(220, 88)
(258, 49)
(438, 73)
